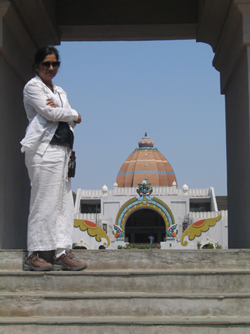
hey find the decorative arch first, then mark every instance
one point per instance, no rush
(143, 202)
(206, 24)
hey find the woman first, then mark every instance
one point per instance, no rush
(47, 146)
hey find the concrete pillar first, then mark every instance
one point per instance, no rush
(17, 47)
(14, 185)
(232, 59)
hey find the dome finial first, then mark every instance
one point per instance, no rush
(146, 142)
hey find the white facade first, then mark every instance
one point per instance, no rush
(176, 201)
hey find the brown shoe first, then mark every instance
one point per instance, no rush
(68, 262)
(36, 263)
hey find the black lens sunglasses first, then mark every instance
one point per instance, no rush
(54, 64)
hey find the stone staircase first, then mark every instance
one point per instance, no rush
(129, 291)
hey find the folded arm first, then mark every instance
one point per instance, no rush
(36, 98)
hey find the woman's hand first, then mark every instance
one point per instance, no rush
(79, 119)
(51, 103)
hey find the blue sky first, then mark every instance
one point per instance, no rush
(168, 89)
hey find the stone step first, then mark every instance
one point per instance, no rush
(125, 304)
(125, 325)
(129, 291)
(154, 281)
(145, 259)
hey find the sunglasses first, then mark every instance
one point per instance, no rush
(47, 64)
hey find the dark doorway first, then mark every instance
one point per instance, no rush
(142, 223)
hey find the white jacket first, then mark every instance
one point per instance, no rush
(43, 119)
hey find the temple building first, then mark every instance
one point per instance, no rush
(147, 205)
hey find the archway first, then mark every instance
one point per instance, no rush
(143, 222)
(222, 24)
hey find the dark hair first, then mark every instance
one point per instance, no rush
(43, 52)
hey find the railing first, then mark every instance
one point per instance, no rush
(95, 218)
(90, 193)
(132, 191)
(205, 215)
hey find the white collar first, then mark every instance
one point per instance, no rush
(55, 88)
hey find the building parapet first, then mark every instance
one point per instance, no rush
(198, 192)
(91, 193)
(95, 218)
(205, 215)
(156, 191)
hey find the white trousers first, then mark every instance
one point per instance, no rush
(50, 223)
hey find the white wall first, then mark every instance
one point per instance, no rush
(177, 201)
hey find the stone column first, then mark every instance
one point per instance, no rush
(14, 184)
(19, 38)
(232, 59)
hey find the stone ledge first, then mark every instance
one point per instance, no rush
(145, 259)
(147, 321)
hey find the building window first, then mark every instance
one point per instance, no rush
(200, 206)
(184, 226)
(105, 228)
(90, 206)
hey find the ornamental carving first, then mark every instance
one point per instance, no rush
(143, 201)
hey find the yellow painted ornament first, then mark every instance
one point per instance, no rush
(92, 229)
(197, 228)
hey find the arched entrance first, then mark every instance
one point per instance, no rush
(141, 223)
(144, 214)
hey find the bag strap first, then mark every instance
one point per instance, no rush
(72, 152)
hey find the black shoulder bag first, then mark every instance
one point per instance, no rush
(72, 158)
(72, 164)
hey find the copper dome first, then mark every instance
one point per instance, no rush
(146, 163)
